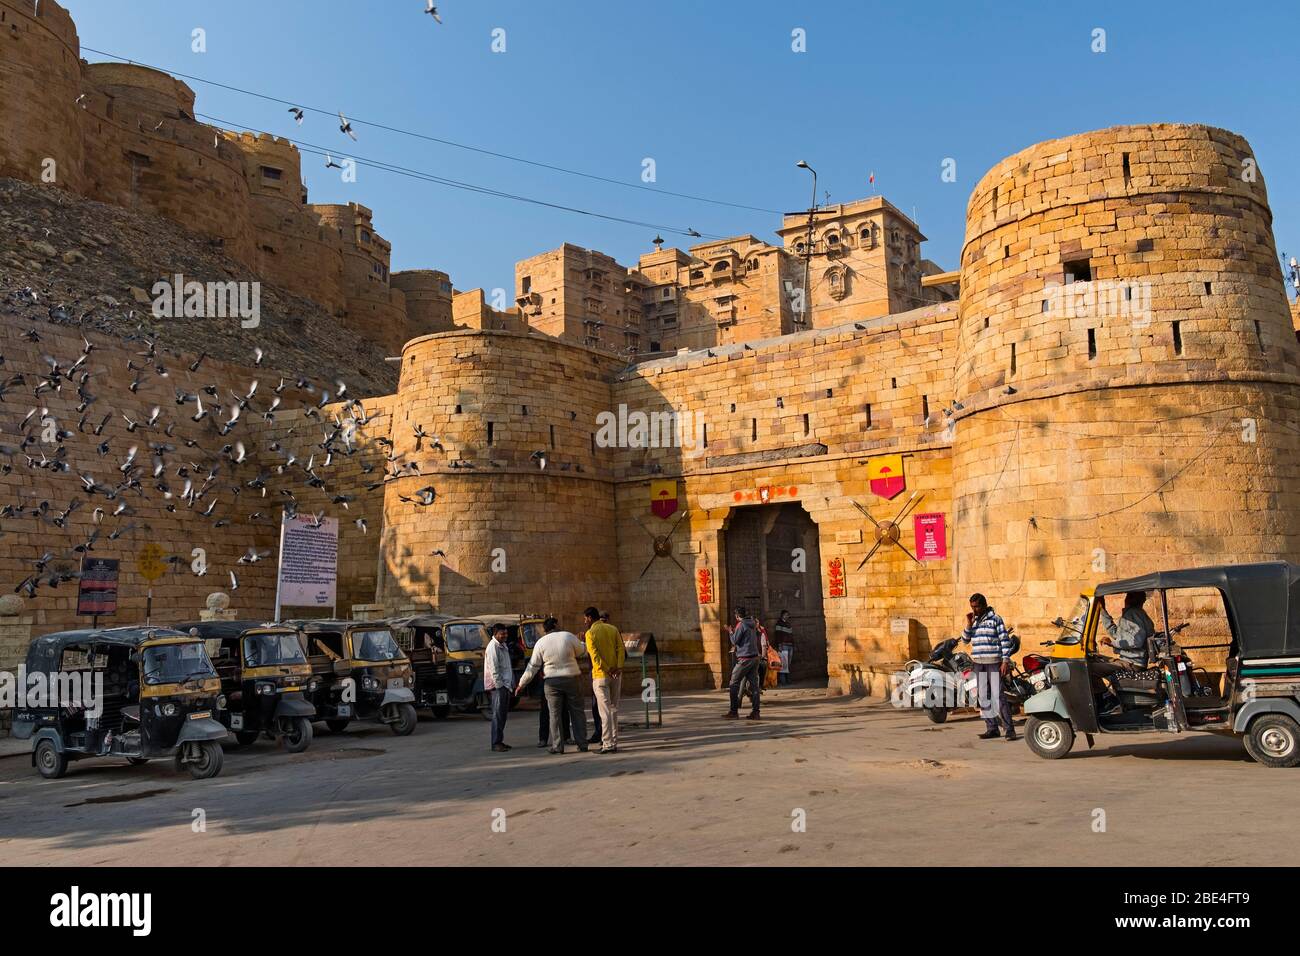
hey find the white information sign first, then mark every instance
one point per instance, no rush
(308, 562)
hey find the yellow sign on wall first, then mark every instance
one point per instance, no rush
(149, 563)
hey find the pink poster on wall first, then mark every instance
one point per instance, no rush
(931, 538)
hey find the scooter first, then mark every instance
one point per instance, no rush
(947, 680)
(942, 683)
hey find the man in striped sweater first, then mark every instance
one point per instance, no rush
(990, 649)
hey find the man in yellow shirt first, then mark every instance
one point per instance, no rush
(605, 647)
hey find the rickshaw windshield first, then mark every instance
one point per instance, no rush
(375, 646)
(261, 650)
(463, 637)
(532, 634)
(173, 663)
(1072, 629)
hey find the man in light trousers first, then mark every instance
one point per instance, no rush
(605, 647)
(991, 653)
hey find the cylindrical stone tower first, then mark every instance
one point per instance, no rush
(1126, 369)
(40, 81)
(517, 536)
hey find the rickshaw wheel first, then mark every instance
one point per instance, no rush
(1050, 738)
(442, 712)
(246, 737)
(49, 762)
(1274, 741)
(300, 739)
(209, 761)
(337, 726)
(937, 714)
(406, 721)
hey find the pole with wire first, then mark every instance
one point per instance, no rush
(807, 257)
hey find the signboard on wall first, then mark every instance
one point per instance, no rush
(704, 585)
(836, 583)
(931, 537)
(97, 591)
(308, 562)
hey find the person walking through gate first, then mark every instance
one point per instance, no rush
(745, 645)
(558, 652)
(497, 678)
(605, 646)
(990, 650)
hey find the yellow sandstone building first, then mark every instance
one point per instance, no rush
(1114, 391)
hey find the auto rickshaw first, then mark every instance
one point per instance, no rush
(135, 692)
(447, 654)
(266, 679)
(1255, 619)
(362, 674)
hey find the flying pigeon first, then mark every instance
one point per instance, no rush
(345, 126)
(432, 11)
(297, 114)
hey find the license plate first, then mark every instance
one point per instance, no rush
(345, 710)
(200, 714)
(288, 689)
(236, 721)
(441, 698)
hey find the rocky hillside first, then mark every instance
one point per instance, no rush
(75, 262)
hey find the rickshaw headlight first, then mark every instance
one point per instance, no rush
(312, 685)
(266, 688)
(369, 683)
(168, 710)
(465, 669)
(221, 702)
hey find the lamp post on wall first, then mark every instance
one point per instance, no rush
(807, 259)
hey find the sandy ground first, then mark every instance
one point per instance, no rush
(875, 786)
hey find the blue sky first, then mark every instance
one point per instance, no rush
(714, 94)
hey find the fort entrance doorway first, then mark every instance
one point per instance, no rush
(773, 562)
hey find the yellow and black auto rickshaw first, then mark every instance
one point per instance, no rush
(140, 693)
(1244, 621)
(362, 672)
(447, 654)
(266, 680)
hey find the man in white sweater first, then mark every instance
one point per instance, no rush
(558, 652)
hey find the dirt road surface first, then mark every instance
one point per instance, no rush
(870, 784)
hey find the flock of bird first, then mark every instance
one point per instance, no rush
(199, 458)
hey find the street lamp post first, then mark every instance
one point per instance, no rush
(807, 258)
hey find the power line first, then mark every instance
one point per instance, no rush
(445, 142)
(314, 149)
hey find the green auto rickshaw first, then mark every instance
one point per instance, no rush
(1246, 615)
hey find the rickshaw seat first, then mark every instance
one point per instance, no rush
(131, 712)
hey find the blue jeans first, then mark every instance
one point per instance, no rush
(500, 698)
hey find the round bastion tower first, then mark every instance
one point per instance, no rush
(514, 536)
(40, 81)
(1126, 369)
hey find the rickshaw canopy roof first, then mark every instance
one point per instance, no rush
(431, 620)
(44, 653)
(317, 624)
(1263, 600)
(224, 630)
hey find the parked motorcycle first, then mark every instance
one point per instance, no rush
(942, 683)
(947, 680)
